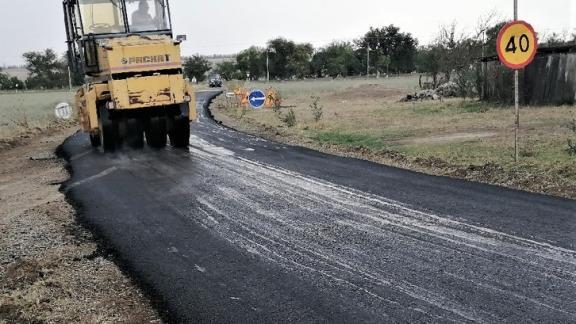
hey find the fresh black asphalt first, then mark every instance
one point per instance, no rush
(243, 230)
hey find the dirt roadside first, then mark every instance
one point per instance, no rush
(51, 270)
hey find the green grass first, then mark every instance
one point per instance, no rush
(469, 153)
(462, 132)
(355, 140)
(458, 106)
(22, 111)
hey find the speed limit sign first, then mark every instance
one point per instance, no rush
(517, 44)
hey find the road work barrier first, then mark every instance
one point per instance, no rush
(272, 97)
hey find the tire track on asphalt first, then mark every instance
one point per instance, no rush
(267, 238)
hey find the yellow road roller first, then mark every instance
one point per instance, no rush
(134, 90)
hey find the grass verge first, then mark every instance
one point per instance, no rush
(25, 114)
(455, 137)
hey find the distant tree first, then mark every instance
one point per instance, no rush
(228, 70)
(288, 59)
(383, 64)
(10, 83)
(299, 61)
(196, 67)
(336, 59)
(453, 55)
(4, 80)
(280, 50)
(491, 39)
(389, 41)
(5, 83)
(318, 64)
(556, 39)
(456, 50)
(251, 60)
(428, 61)
(336, 66)
(46, 70)
(458, 53)
(14, 84)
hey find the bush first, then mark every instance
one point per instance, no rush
(276, 97)
(317, 109)
(289, 119)
(242, 111)
(45, 70)
(10, 83)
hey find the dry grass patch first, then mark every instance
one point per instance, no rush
(455, 137)
(25, 113)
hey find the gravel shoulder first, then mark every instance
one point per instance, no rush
(51, 269)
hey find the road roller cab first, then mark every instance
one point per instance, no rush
(134, 87)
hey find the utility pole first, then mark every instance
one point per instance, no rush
(268, 51)
(516, 98)
(368, 62)
(484, 63)
(69, 79)
(268, 65)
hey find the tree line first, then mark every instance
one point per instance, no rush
(386, 50)
(453, 55)
(46, 70)
(10, 83)
(450, 57)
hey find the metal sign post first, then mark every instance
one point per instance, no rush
(516, 97)
(517, 46)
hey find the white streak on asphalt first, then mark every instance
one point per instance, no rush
(199, 143)
(81, 155)
(285, 238)
(430, 218)
(92, 178)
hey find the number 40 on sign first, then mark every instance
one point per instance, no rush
(517, 45)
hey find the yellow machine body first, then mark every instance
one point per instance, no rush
(135, 73)
(134, 92)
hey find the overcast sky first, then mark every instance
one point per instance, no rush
(228, 26)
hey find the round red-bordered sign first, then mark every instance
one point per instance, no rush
(517, 44)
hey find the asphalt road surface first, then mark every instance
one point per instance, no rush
(240, 229)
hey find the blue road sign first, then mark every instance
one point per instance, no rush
(257, 99)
